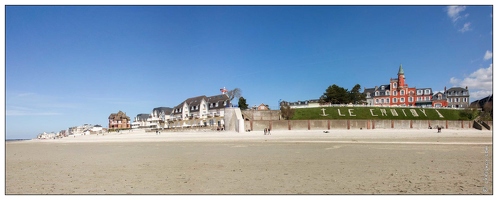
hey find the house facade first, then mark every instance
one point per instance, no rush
(159, 116)
(200, 111)
(396, 93)
(119, 120)
(457, 97)
(140, 121)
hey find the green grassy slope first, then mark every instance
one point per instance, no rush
(378, 113)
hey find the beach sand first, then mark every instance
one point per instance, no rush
(286, 162)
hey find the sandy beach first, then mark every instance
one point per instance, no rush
(285, 162)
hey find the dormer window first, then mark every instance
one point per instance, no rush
(395, 85)
(382, 87)
(387, 92)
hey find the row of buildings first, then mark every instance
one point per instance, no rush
(398, 93)
(192, 112)
(85, 129)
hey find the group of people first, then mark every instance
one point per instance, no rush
(267, 131)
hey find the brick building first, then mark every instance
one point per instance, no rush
(119, 121)
(397, 93)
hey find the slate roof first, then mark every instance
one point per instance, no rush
(218, 99)
(118, 116)
(142, 117)
(166, 110)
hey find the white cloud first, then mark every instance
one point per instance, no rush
(454, 12)
(480, 82)
(488, 55)
(465, 28)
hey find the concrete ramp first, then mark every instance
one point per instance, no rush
(233, 120)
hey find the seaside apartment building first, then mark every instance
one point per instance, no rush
(200, 111)
(140, 121)
(159, 117)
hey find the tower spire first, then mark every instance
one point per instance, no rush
(400, 71)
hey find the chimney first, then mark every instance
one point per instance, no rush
(444, 89)
(466, 87)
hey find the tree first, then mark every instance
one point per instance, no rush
(355, 96)
(335, 95)
(286, 112)
(235, 93)
(242, 103)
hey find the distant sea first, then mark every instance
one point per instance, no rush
(15, 140)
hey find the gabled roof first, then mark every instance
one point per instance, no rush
(118, 116)
(142, 117)
(166, 110)
(456, 89)
(220, 99)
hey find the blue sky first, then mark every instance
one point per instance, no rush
(71, 65)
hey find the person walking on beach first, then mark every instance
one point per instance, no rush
(265, 131)
(269, 132)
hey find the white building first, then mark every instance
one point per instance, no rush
(200, 111)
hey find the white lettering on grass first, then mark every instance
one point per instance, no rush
(414, 112)
(403, 112)
(383, 112)
(339, 111)
(441, 116)
(371, 112)
(423, 111)
(323, 109)
(351, 112)
(394, 113)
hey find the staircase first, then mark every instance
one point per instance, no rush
(480, 125)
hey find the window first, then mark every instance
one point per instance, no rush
(382, 87)
(368, 94)
(394, 100)
(376, 100)
(387, 92)
(216, 104)
(402, 100)
(387, 100)
(418, 98)
(395, 85)
(420, 92)
(395, 93)
(377, 93)
(427, 91)
(382, 101)
(410, 99)
(402, 92)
